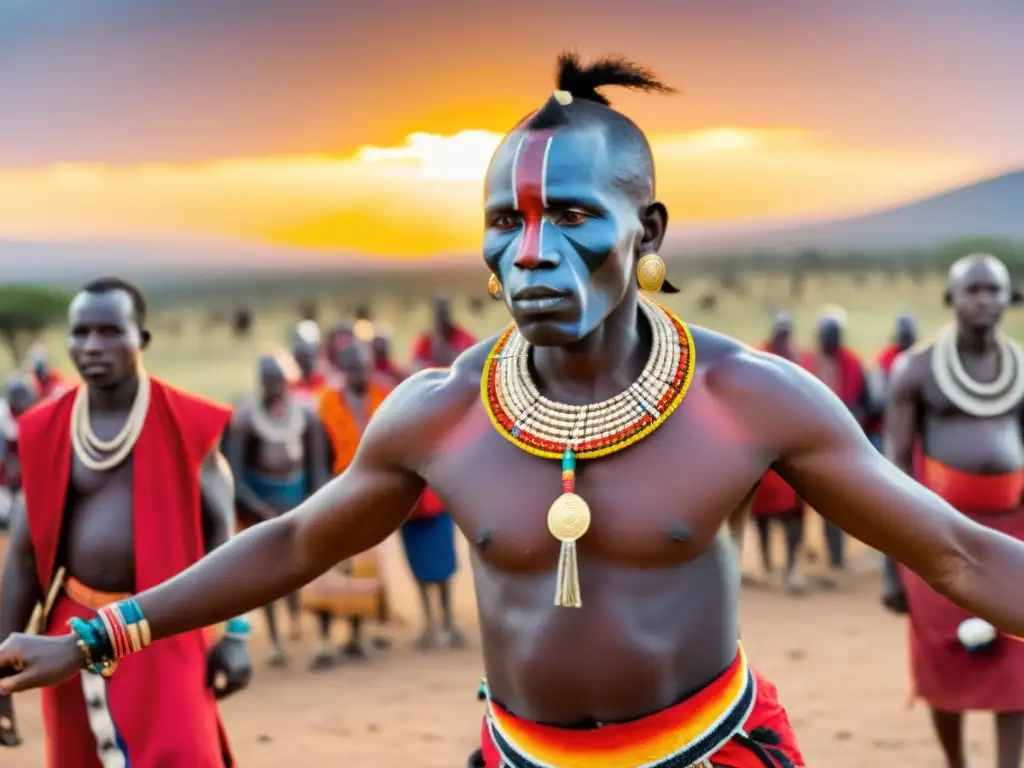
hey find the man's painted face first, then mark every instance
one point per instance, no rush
(561, 235)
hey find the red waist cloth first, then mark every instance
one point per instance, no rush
(973, 494)
(737, 719)
(774, 496)
(945, 674)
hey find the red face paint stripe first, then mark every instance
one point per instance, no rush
(528, 181)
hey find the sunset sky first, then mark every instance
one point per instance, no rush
(366, 127)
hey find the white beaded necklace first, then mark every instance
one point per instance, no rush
(103, 455)
(287, 431)
(981, 399)
(575, 425)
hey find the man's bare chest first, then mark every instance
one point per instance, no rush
(656, 503)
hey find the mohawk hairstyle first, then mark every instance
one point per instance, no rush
(583, 82)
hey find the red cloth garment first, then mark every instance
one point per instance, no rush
(423, 349)
(887, 357)
(851, 385)
(55, 386)
(945, 674)
(774, 496)
(162, 711)
(429, 505)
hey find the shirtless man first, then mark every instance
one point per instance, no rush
(961, 400)
(656, 575)
(278, 455)
(124, 488)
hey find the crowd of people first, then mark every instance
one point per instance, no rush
(610, 626)
(861, 386)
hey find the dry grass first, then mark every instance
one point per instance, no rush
(209, 360)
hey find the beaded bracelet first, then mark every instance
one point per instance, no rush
(116, 631)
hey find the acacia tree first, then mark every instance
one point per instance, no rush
(28, 310)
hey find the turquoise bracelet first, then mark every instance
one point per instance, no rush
(97, 652)
(238, 628)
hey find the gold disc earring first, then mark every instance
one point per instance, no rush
(650, 272)
(494, 287)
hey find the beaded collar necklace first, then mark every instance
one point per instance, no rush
(973, 397)
(553, 430)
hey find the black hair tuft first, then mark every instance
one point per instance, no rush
(583, 82)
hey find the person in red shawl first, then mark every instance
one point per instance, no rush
(775, 500)
(439, 348)
(842, 371)
(384, 368)
(49, 381)
(903, 338)
(311, 383)
(960, 401)
(124, 489)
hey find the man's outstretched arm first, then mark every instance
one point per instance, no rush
(827, 459)
(349, 515)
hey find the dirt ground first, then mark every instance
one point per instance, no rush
(838, 659)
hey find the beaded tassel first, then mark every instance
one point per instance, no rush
(568, 520)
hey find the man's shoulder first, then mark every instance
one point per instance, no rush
(763, 395)
(913, 366)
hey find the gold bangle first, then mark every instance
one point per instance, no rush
(86, 653)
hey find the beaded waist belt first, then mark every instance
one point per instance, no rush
(683, 735)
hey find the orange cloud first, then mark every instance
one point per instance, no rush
(423, 196)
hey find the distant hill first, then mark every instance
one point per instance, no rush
(993, 207)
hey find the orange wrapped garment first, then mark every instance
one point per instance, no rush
(355, 587)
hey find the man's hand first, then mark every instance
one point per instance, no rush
(32, 661)
(228, 667)
(9, 736)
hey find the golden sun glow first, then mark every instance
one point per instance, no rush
(423, 196)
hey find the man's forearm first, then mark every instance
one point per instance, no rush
(253, 569)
